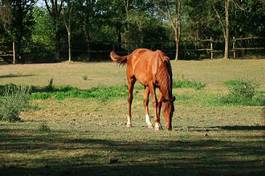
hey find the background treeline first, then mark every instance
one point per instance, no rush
(55, 30)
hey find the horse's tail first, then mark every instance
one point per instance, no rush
(119, 59)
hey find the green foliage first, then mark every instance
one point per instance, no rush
(188, 84)
(84, 77)
(241, 88)
(14, 99)
(243, 92)
(43, 31)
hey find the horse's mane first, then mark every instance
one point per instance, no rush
(164, 75)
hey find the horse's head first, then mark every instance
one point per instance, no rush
(168, 112)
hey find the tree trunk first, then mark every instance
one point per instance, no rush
(14, 52)
(177, 48)
(57, 43)
(177, 28)
(118, 27)
(226, 32)
(69, 47)
(87, 39)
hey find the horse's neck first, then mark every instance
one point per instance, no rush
(166, 87)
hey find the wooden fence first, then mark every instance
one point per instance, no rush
(247, 44)
(238, 45)
(9, 53)
(207, 48)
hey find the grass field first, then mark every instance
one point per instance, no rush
(87, 136)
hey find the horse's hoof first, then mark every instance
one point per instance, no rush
(169, 129)
(129, 125)
(150, 126)
(158, 126)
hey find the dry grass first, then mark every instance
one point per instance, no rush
(214, 73)
(86, 136)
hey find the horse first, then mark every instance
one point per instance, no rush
(153, 70)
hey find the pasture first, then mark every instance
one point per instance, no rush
(88, 136)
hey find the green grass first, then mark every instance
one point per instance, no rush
(102, 93)
(188, 84)
(243, 92)
(82, 135)
(13, 101)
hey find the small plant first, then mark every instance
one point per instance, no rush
(50, 85)
(243, 92)
(84, 77)
(241, 88)
(44, 127)
(188, 84)
(14, 100)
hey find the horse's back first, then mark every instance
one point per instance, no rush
(144, 64)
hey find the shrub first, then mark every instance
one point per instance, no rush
(14, 100)
(84, 77)
(241, 88)
(243, 92)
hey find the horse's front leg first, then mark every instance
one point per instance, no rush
(156, 108)
(131, 82)
(146, 102)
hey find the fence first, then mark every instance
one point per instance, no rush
(7, 52)
(247, 44)
(99, 50)
(239, 45)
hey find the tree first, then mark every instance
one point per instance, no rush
(5, 15)
(67, 18)
(224, 21)
(54, 8)
(85, 13)
(22, 22)
(171, 10)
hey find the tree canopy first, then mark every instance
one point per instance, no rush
(40, 29)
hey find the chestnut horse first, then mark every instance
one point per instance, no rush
(153, 70)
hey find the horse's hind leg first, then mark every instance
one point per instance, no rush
(146, 101)
(131, 82)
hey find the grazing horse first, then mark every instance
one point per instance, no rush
(153, 70)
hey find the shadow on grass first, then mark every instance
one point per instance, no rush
(41, 152)
(14, 76)
(225, 128)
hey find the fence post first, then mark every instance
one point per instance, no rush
(14, 53)
(211, 47)
(234, 51)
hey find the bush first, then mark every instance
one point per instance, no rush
(14, 100)
(241, 88)
(243, 92)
